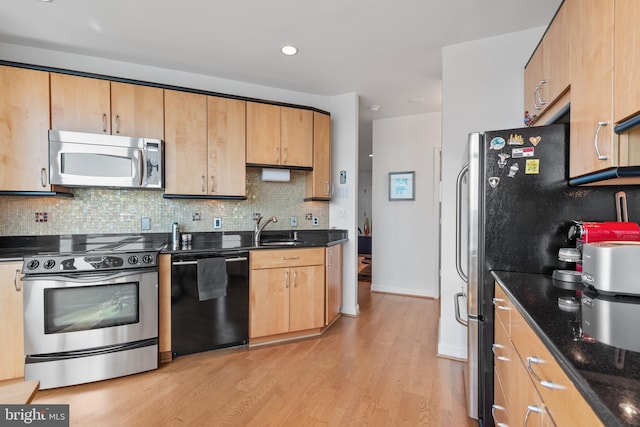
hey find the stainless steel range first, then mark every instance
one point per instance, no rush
(91, 314)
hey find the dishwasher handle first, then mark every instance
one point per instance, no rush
(237, 259)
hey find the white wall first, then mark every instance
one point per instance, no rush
(344, 118)
(344, 208)
(404, 234)
(483, 87)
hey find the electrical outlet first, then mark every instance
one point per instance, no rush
(145, 223)
(294, 221)
(217, 222)
(256, 215)
(316, 221)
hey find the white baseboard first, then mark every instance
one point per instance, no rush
(401, 291)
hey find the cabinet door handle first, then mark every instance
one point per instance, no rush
(535, 99)
(203, 184)
(43, 177)
(328, 188)
(15, 281)
(277, 155)
(284, 156)
(595, 142)
(539, 87)
(530, 409)
(286, 279)
(104, 122)
(543, 383)
(211, 183)
(295, 279)
(117, 123)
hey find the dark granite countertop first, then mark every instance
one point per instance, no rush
(607, 376)
(16, 247)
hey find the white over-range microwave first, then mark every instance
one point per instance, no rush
(78, 159)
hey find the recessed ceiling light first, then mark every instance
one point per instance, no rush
(370, 155)
(374, 108)
(289, 50)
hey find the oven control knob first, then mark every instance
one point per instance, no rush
(133, 260)
(33, 264)
(147, 259)
(49, 264)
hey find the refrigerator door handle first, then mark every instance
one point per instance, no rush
(463, 173)
(459, 318)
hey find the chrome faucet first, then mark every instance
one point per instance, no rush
(258, 230)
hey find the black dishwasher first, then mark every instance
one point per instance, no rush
(223, 321)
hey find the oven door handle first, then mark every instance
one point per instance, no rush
(83, 278)
(196, 262)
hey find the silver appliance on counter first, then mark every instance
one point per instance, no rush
(78, 159)
(609, 267)
(90, 316)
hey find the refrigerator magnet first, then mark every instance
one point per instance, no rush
(532, 167)
(497, 143)
(535, 140)
(494, 181)
(517, 153)
(513, 170)
(502, 160)
(515, 139)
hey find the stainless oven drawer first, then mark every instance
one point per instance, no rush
(84, 311)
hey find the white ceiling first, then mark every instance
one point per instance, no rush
(387, 51)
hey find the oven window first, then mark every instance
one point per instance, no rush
(90, 307)
(96, 165)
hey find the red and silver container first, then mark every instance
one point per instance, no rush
(589, 232)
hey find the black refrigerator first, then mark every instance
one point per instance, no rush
(515, 207)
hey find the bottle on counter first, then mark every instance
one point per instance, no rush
(175, 235)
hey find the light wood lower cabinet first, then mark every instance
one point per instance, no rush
(532, 389)
(333, 276)
(164, 307)
(11, 321)
(287, 291)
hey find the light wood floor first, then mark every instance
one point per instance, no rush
(378, 369)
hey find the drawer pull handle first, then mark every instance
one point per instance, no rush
(290, 258)
(493, 414)
(530, 409)
(501, 307)
(15, 281)
(496, 302)
(493, 347)
(543, 383)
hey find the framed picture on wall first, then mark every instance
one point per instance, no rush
(401, 186)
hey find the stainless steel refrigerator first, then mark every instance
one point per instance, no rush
(515, 207)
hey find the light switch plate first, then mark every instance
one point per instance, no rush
(294, 221)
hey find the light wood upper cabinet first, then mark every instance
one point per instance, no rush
(24, 122)
(226, 130)
(85, 104)
(12, 330)
(627, 59)
(296, 141)
(318, 181)
(592, 26)
(279, 136)
(547, 75)
(137, 110)
(185, 145)
(80, 104)
(204, 145)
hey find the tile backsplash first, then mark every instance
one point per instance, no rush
(97, 210)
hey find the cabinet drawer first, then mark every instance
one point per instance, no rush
(503, 308)
(500, 407)
(286, 258)
(554, 386)
(503, 354)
